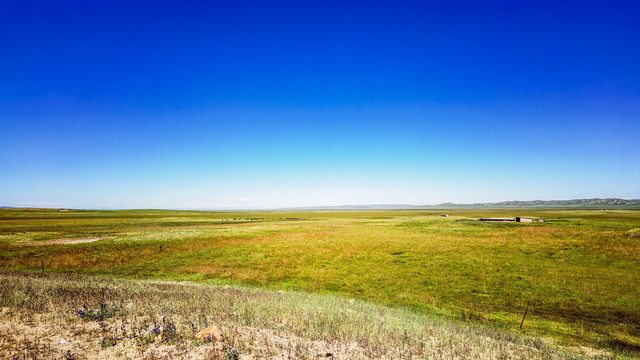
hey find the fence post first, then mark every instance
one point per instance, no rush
(525, 315)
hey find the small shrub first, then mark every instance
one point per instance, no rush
(197, 342)
(102, 313)
(232, 353)
(144, 338)
(104, 327)
(108, 342)
(169, 332)
(209, 339)
(69, 355)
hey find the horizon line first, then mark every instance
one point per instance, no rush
(370, 206)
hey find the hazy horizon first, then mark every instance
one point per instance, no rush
(266, 105)
(304, 207)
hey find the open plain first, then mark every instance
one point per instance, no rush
(353, 284)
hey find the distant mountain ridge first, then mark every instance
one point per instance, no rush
(594, 201)
(575, 203)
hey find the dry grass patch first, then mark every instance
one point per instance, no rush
(150, 320)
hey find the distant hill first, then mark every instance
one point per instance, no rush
(595, 203)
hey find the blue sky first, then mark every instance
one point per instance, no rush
(273, 104)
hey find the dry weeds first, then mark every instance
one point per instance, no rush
(160, 320)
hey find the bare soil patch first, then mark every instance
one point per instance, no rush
(70, 241)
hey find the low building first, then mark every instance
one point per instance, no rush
(497, 219)
(524, 219)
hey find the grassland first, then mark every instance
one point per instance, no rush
(160, 320)
(577, 273)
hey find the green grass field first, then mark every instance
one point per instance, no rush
(578, 273)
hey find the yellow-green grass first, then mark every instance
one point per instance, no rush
(578, 273)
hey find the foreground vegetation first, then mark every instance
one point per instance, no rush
(576, 275)
(78, 316)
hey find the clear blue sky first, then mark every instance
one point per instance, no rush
(263, 104)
